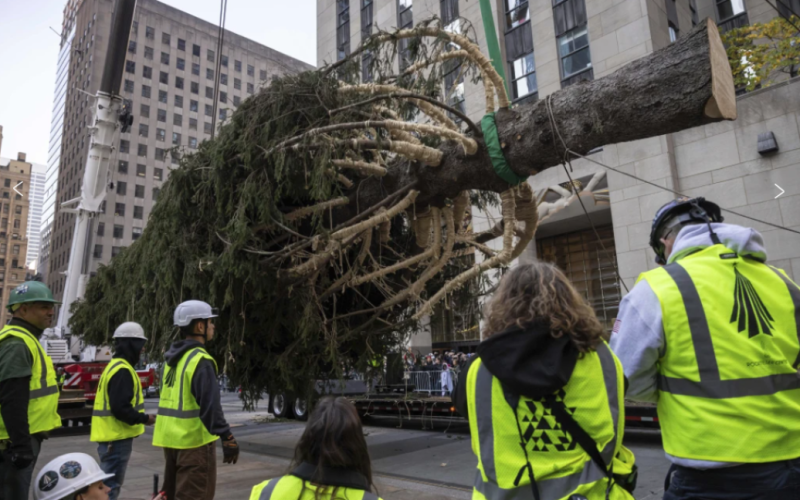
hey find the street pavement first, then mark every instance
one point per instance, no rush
(410, 460)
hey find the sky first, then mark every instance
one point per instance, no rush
(29, 49)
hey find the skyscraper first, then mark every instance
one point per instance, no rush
(37, 193)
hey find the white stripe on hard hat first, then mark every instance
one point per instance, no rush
(129, 330)
(191, 310)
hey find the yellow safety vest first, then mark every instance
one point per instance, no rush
(178, 425)
(43, 405)
(105, 426)
(561, 468)
(291, 487)
(728, 384)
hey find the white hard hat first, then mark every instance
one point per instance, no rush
(129, 330)
(193, 309)
(65, 475)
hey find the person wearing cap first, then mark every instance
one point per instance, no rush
(190, 418)
(712, 338)
(28, 387)
(118, 416)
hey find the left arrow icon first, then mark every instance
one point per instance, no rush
(15, 188)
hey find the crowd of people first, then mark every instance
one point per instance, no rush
(712, 337)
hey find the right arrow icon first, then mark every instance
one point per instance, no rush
(782, 191)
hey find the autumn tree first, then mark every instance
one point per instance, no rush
(763, 53)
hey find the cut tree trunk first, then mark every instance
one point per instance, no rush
(686, 84)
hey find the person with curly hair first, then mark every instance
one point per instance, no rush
(545, 396)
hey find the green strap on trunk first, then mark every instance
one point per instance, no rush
(499, 163)
(491, 39)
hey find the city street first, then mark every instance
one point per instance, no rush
(408, 462)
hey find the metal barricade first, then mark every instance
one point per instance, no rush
(429, 381)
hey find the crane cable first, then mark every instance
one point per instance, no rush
(223, 14)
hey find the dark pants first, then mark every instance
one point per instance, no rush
(15, 483)
(191, 474)
(769, 481)
(114, 457)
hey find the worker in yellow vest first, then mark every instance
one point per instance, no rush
(331, 457)
(28, 387)
(118, 414)
(545, 396)
(712, 337)
(190, 418)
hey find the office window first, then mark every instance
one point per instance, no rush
(223, 114)
(121, 168)
(156, 192)
(18, 209)
(223, 79)
(177, 120)
(727, 9)
(207, 127)
(158, 173)
(237, 84)
(124, 147)
(130, 67)
(195, 88)
(138, 191)
(162, 96)
(342, 29)
(137, 231)
(164, 58)
(101, 229)
(223, 97)
(165, 38)
(693, 9)
(573, 49)
(180, 63)
(251, 70)
(148, 53)
(147, 72)
(262, 74)
(673, 32)
(523, 76)
(163, 77)
(144, 130)
(237, 66)
(249, 88)
(138, 212)
(209, 74)
(141, 170)
(210, 55)
(672, 19)
(119, 209)
(178, 82)
(405, 20)
(161, 135)
(192, 123)
(178, 101)
(128, 86)
(122, 188)
(146, 91)
(195, 69)
(162, 115)
(224, 61)
(144, 111)
(142, 150)
(209, 110)
(149, 33)
(449, 11)
(195, 50)
(115, 251)
(181, 44)
(193, 142)
(366, 32)
(176, 138)
(161, 154)
(236, 100)
(132, 47)
(193, 105)
(209, 92)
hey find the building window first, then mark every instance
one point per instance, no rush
(223, 114)
(223, 96)
(138, 212)
(144, 130)
(18, 209)
(236, 100)
(523, 75)
(210, 55)
(161, 134)
(178, 101)
(209, 110)
(164, 58)
(149, 33)
(121, 168)
(673, 33)
(142, 150)
(137, 231)
(262, 74)
(732, 14)
(195, 69)
(124, 147)
(130, 67)
(119, 209)
(144, 111)
(207, 127)
(193, 142)
(193, 105)
(195, 50)
(223, 79)
(148, 53)
(209, 92)
(15, 251)
(139, 191)
(251, 70)
(192, 123)
(146, 91)
(161, 154)
(181, 44)
(693, 9)
(115, 251)
(178, 82)
(158, 173)
(156, 192)
(519, 48)
(129, 86)
(250, 88)
(147, 72)
(405, 20)
(165, 38)
(101, 229)
(366, 32)
(237, 66)
(449, 11)
(573, 49)
(672, 19)
(342, 29)
(209, 74)
(163, 77)
(132, 46)
(162, 96)
(195, 88)
(162, 115)
(122, 188)
(237, 84)
(177, 120)
(98, 252)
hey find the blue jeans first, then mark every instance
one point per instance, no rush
(114, 457)
(769, 481)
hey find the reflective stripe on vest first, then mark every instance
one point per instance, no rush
(105, 426)
(43, 402)
(552, 488)
(266, 492)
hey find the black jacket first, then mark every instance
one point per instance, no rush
(205, 388)
(529, 362)
(120, 386)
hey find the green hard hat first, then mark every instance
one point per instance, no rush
(31, 291)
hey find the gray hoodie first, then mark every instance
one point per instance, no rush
(639, 338)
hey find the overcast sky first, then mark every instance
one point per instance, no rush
(28, 52)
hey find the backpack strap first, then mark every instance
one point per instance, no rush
(569, 424)
(513, 400)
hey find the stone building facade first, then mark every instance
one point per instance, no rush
(169, 81)
(549, 44)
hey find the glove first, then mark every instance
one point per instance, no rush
(22, 458)
(151, 419)
(230, 450)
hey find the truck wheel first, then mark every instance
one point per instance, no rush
(281, 406)
(300, 409)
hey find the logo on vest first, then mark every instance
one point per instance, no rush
(543, 431)
(749, 311)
